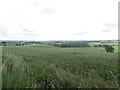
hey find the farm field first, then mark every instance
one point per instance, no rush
(41, 66)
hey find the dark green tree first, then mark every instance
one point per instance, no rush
(109, 48)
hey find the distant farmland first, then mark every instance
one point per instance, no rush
(41, 66)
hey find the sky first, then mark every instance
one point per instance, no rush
(58, 19)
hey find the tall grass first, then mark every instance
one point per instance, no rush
(52, 67)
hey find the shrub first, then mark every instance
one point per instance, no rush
(109, 48)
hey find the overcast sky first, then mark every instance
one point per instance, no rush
(58, 19)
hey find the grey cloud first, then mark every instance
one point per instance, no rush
(27, 32)
(47, 11)
(25, 29)
(106, 30)
(111, 25)
(3, 31)
(82, 33)
(1, 25)
(108, 27)
(30, 34)
(36, 3)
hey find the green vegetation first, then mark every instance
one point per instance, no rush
(47, 66)
(109, 48)
(72, 44)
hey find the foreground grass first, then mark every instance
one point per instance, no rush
(48, 66)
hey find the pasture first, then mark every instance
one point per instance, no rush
(44, 66)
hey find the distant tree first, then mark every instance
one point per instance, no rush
(4, 45)
(71, 44)
(113, 44)
(19, 44)
(100, 45)
(95, 45)
(109, 48)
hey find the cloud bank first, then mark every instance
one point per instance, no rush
(58, 19)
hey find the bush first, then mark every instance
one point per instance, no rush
(109, 48)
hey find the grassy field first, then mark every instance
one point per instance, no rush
(115, 45)
(44, 66)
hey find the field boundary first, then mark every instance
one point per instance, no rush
(0, 67)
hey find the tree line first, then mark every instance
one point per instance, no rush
(72, 44)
